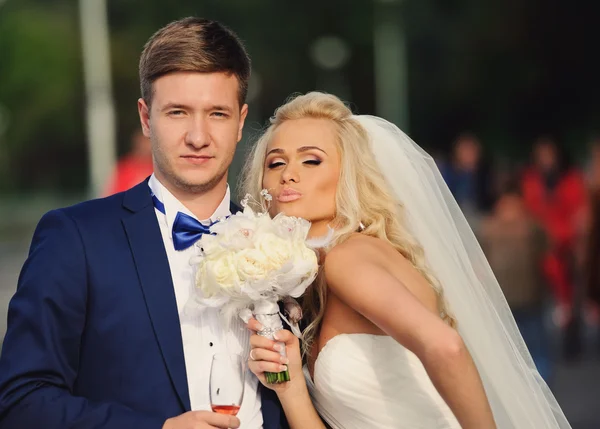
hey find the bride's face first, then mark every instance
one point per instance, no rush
(302, 168)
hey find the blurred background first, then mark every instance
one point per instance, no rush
(503, 93)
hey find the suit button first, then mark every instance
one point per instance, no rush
(210, 344)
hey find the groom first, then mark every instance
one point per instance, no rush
(97, 333)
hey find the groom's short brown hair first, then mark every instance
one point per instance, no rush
(194, 45)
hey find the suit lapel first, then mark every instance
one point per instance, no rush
(154, 273)
(271, 409)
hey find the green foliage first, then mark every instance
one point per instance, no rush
(506, 69)
(41, 90)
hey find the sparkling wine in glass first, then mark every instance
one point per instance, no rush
(227, 373)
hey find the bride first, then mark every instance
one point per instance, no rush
(406, 324)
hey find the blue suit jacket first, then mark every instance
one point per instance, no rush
(94, 338)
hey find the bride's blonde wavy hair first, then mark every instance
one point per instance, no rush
(363, 197)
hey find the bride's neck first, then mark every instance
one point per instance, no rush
(318, 229)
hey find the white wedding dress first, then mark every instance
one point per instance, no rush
(370, 381)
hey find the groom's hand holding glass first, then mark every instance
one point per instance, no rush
(226, 392)
(202, 420)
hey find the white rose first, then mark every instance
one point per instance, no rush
(277, 250)
(264, 224)
(218, 274)
(305, 260)
(300, 249)
(252, 264)
(211, 246)
(293, 228)
(309, 256)
(305, 268)
(231, 226)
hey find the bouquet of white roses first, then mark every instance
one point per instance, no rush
(253, 261)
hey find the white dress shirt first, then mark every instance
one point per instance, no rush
(202, 329)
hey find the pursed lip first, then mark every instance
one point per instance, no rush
(287, 195)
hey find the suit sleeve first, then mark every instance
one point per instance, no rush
(40, 355)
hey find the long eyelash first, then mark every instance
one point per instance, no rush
(313, 161)
(275, 164)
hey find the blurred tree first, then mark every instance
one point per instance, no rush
(506, 69)
(41, 89)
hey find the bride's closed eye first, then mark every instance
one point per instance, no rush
(278, 163)
(275, 164)
(313, 161)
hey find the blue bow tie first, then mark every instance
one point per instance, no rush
(186, 229)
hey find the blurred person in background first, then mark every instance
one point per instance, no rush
(97, 334)
(555, 194)
(469, 178)
(132, 168)
(592, 257)
(515, 246)
(592, 166)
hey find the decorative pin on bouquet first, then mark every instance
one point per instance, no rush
(251, 263)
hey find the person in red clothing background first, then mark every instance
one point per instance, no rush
(592, 257)
(555, 194)
(133, 167)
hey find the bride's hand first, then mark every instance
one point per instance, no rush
(265, 357)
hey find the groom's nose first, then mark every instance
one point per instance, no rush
(198, 134)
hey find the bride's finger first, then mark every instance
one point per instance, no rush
(256, 341)
(286, 337)
(267, 355)
(258, 367)
(254, 325)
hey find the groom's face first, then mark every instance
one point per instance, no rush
(194, 123)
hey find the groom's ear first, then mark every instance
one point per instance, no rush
(243, 114)
(144, 112)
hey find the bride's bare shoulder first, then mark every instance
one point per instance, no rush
(361, 249)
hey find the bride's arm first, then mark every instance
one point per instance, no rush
(358, 273)
(293, 395)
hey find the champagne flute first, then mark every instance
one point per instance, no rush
(226, 386)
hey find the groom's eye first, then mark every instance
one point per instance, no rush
(220, 114)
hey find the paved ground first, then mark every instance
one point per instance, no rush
(577, 390)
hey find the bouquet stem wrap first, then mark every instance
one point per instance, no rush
(267, 313)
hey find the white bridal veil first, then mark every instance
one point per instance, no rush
(519, 397)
